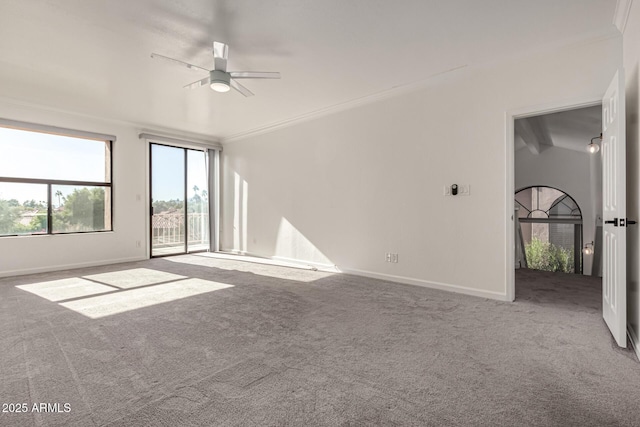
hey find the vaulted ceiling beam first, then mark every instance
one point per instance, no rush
(534, 133)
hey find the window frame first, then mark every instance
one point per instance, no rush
(51, 130)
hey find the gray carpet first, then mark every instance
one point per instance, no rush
(240, 344)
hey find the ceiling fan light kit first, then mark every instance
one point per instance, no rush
(220, 81)
(219, 78)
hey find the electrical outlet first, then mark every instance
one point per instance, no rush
(387, 257)
(394, 258)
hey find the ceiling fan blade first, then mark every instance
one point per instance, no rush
(254, 74)
(202, 82)
(220, 56)
(177, 61)
(243, 90)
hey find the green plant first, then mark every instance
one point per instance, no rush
(549, 257)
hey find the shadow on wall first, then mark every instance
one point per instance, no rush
(633, 204)
(240, 205)
(288, 243)
(291, 244)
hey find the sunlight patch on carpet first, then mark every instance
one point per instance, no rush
(263, 267)
(120, 302)
(134, 277)
(63, 289)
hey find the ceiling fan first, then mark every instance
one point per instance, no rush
(219, 78)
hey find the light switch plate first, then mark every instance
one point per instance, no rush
(463, 190)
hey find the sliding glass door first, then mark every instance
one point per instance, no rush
(197, 201)
(179, 200)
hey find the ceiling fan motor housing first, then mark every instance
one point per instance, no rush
(220, 80)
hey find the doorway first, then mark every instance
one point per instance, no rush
(548, 149)
(612, 210)
(179, 200)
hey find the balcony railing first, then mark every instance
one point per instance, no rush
(168, 229)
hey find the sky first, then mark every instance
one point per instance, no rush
(38, 155)
(26, 154)
(167, 168)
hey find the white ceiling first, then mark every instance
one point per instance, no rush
(572, 129)
(93, 56)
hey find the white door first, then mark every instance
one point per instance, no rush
(614, 278)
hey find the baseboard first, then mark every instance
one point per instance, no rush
(318, 265)
(52, 268)
(299, 262)
(392, 278)
(635, 343)
(427, 284)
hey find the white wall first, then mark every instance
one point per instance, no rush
(567, 170)
(26, 254)
(369, 180)
(631, 55)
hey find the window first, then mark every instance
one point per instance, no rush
(54, 183)
(550, 234)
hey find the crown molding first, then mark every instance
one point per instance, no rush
(347, 105)
(594, 37)
(621, 15)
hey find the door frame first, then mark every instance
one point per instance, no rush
(510, 117)
(214, 150)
